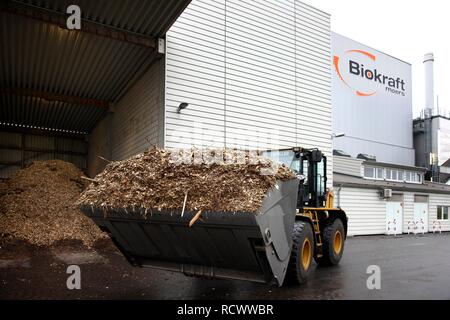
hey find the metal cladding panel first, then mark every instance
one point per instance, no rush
(36, 112)
(30, 157)
(149, 17)
(195, 73)
(260, 74)
(79, 161)
(63, 144)
(313, 81)
(365, 210)
(38, 147)
(256, 74)
(10, 139)
(10, 155)
(385, 153)
(347, 166)
(372, 102)
(408, 210)
(435, 201)
(137, 119)
(443, 140)
(41, 142)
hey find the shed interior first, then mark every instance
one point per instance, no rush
(60, 89)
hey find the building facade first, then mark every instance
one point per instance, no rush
(252, 74)
(372, 102)
(381, 198)
(432, 146)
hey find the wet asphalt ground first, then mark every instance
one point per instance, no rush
(412, 267)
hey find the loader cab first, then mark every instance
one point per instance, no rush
(313, 165)
(310, 166)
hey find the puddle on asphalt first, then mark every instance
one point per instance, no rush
(80, 257)
(15, 263)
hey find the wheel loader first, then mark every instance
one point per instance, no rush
(296, 224)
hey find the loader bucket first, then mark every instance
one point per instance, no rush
(241, 245)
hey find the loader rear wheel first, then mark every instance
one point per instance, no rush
(333, 237)
(302, 253)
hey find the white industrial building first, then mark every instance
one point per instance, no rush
(372, 102)
(432, 132)
(258, 74)
(432, 143)
(382, 198)
(376, 177)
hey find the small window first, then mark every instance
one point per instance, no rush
(442, 213)
(408, 176)
(413, 177)
(418, 178)
(380, 173)
(369, 172)
(388, 174)
(394, 175)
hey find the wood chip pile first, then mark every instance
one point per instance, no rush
(154, 180)
(37, 204)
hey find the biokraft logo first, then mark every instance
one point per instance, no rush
(359, 71)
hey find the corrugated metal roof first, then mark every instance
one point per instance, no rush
(342, 180)
(395, 166)
(48, 114)
(43, 57)
(147, 17)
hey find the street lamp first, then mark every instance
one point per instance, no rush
(338, 135)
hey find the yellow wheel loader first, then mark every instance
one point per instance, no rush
(296, 224)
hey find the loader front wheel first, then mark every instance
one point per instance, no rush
(302, 253)
(333, 237)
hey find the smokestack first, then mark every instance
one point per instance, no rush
(428, 62)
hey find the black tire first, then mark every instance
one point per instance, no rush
(303, 239)
(331, 252)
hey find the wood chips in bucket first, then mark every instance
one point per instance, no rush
(154, 180)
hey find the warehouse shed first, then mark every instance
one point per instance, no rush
(59, 87)
(250, 74)
(247, 74)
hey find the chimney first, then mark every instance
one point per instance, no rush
(428, 62)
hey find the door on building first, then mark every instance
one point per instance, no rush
(421, 213)
(394, 214)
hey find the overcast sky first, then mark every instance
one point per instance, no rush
(404, 29)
